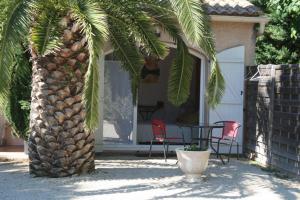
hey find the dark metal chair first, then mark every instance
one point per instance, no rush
(228, 137)
(160, 136)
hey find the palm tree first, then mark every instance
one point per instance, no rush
(66, 39)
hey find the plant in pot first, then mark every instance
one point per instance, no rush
(193, 161)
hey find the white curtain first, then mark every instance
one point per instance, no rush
(118, 105)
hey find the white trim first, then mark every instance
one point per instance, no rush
(261, 20)
(99, 131)
(203, 77)
(135, 121)
(226, 18)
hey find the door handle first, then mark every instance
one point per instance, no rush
(242, 92)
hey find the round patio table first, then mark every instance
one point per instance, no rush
(204, 135)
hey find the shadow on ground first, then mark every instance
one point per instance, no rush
(118, 177)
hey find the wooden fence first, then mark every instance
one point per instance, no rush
(272, 116)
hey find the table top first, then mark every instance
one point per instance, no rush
(202, 125)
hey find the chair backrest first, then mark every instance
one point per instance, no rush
(158, 129)
(230, 129)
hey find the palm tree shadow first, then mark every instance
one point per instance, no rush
(216, 183)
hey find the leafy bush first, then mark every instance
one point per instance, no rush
(281, 41)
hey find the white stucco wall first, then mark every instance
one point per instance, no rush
(232, 34)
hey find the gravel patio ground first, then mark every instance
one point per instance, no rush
(131, 177)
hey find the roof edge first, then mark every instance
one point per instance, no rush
(261, 20)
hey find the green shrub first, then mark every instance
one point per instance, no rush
(280, 43)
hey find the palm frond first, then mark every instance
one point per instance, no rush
(93, 24)
(181, 71)
(195, 24)
(180, 76)
(163, 17)
(141, 26)
(46, 33)
(127, 51)
(13, 32)
(216, 85)
(145, 31)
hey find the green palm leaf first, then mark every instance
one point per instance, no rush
(195, 25)
(45, 33)
(216, 85)
(180, 76)
(141, 26)
(126, 50)
(182, 68)
(163, 17)
(146, 35)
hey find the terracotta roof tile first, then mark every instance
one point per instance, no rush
(231, 7)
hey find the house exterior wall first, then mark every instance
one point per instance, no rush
(2, 129)
(232, 34)
(6, 138)
(228, 35)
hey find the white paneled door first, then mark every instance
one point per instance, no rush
(231, 107)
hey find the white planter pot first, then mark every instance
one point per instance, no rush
(192, 163)
(26, 147)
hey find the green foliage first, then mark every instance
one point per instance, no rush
(281, 40)
(15, 68)
(216, 85)
(14, 27)
(194, 147)
(46, 34)
(195, 26)
(18, 105)
(180, 76)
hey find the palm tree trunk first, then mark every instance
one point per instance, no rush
(59, 144)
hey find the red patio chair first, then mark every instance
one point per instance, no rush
(160, 136)
(229, 136)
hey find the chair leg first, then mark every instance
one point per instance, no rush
(150, 150)
(167, 148)
(237, 150)
(218, 148)
(165, 155)
(183, 140)
(229, 151)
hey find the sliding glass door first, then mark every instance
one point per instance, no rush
(118, 109)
